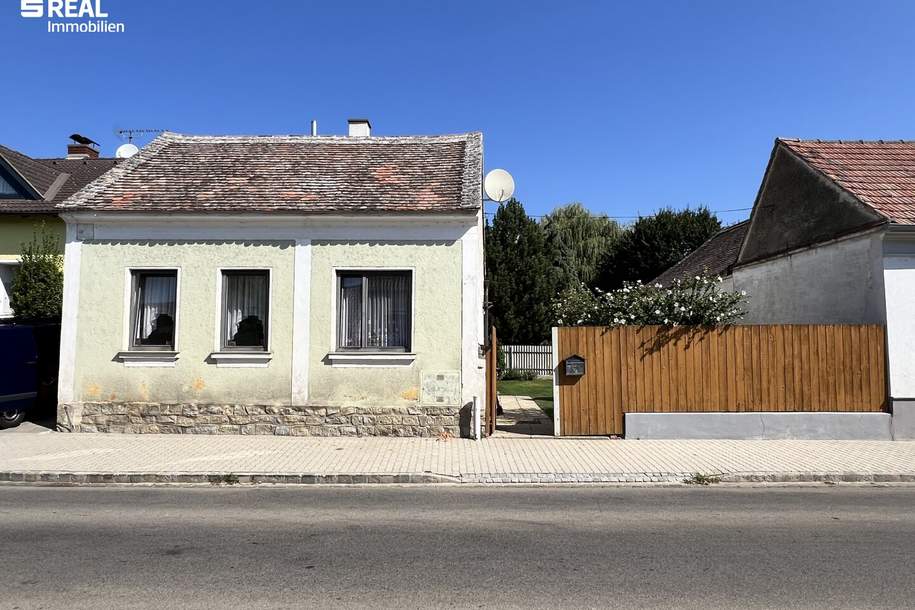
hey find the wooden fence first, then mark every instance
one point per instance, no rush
(735, 368)
(537, 358)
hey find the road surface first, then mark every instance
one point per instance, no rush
(357, 547)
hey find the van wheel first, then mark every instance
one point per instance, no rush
(11, 419)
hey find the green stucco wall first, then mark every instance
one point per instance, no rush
(436, 321)
(100, 335)
(16, 230)
(100, 377)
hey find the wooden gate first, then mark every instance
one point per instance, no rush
(652, 369)
(492, 395)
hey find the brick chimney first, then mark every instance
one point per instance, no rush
(81, 151)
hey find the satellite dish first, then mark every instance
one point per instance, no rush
(499, 185)
(126, 151)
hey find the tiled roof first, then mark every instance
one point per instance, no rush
(300, 174)
(53, 179)
(880, 174)
(715, 257)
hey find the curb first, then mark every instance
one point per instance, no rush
(224, 478)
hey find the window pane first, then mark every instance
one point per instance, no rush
(7, 273)
(6, 188)
(245, 311)
(154, 317)
(349, 312)
(388, 311)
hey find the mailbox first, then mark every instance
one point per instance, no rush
(575, 366)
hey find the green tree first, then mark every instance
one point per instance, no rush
(520, 276)
(38, 288)
(654, 243)
(578, 241)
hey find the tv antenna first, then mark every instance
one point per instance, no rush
(130, 133)
(125, 151)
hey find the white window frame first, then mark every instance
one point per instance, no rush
(367, 358)
(240, 358)
(149, 358)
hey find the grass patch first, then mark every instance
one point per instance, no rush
(541, 390)
(702, 479)
(227, 479)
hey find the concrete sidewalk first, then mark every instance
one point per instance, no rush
(121, 458)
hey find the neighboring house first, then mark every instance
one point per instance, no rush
(29, 190)
(831, 240)
(277, 285)
(716, 257)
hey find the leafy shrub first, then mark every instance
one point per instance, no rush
(528, 375)
(37, 291)
(697, 301)
(511, 375)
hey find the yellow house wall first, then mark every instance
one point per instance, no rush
(103, 305)
(16, 230)
(98, 376)
(436, 290)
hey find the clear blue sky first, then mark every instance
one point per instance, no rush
(624, 106)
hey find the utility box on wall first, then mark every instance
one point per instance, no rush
(575, 366)
(440, 388)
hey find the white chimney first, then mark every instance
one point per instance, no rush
(359, 128)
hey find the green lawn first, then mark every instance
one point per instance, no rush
(541, 390)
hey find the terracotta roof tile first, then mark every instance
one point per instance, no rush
(881, 174)
(325, 174)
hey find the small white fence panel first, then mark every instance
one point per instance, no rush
(537, 358)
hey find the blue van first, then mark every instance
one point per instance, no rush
(28, 369)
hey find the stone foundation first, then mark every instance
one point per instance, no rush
(154, 418)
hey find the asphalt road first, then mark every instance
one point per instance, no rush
(830, 547)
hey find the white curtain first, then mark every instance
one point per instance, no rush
(349, 326)
(387, 311)
(156, 298)
(246, 301)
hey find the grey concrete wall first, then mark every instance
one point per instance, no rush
(797, 206)
(812, 426)
(836, 283)
(904, 420)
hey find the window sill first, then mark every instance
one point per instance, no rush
(148, 358)
(370, 359)
(241, 359)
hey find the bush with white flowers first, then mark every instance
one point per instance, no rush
(696, 301)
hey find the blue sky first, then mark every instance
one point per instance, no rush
(623, 106)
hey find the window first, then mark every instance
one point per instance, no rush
(6, 188)
(7, 274)
(374, 310)
(153, 310)
(245, 301)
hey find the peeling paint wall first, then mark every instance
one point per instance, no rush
(436, 320)
(101, 327)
